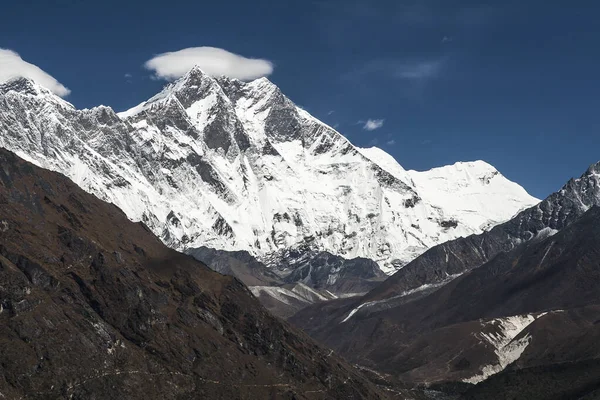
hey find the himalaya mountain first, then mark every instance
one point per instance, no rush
(441, 264)
(230, 165)
(517, 304)
(455, 257)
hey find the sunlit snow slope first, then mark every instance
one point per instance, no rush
(238, 166)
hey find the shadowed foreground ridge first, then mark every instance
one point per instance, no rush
(525, 325)
(95, 306)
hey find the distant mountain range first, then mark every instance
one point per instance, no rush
(237, 166)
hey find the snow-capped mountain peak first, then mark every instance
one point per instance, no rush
(237, 165)
(594, 169)
(25, 88)
(465, 188)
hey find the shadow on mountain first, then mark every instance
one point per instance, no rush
(95, 306)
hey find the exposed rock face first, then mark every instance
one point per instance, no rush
(299, 279)
(327, 272)
(534, 309)
(95, 306)
(237, 166)
(286, 300)
(240, 264)
(441, 263)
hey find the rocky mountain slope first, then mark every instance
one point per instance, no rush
(522, 303)
(455, 257)
(237, 166)
(440, 264)
(299, 279)
(95, 306)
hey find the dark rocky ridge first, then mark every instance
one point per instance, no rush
(327, 274)
(457, 256)
(438, 337)
(241, 264)
(95, 306)
(314, 269)
(575, 380)
(325, 271)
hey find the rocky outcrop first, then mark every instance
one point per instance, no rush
(297, 278)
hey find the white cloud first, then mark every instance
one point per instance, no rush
(212, 60)
(373, 124)
(391, 142)
(13, 66)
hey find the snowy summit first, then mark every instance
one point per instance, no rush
(232, 165)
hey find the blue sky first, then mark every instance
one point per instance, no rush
(514, 83)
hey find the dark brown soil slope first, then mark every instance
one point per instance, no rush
(93, 306)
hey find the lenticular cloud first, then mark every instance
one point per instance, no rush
(212, 60)
(13, 66)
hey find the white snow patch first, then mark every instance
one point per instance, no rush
(281, 294)
(308, 292)
(355, 311)
(546, 233)
(506, 348)
(403, 294)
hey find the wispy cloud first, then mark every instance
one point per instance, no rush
(344, 22)
(418, 70)
(373, 124)
(128, 76)
(13, 66)
(414, 70)
(411, 13)
(214, 61)
(391, 142)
